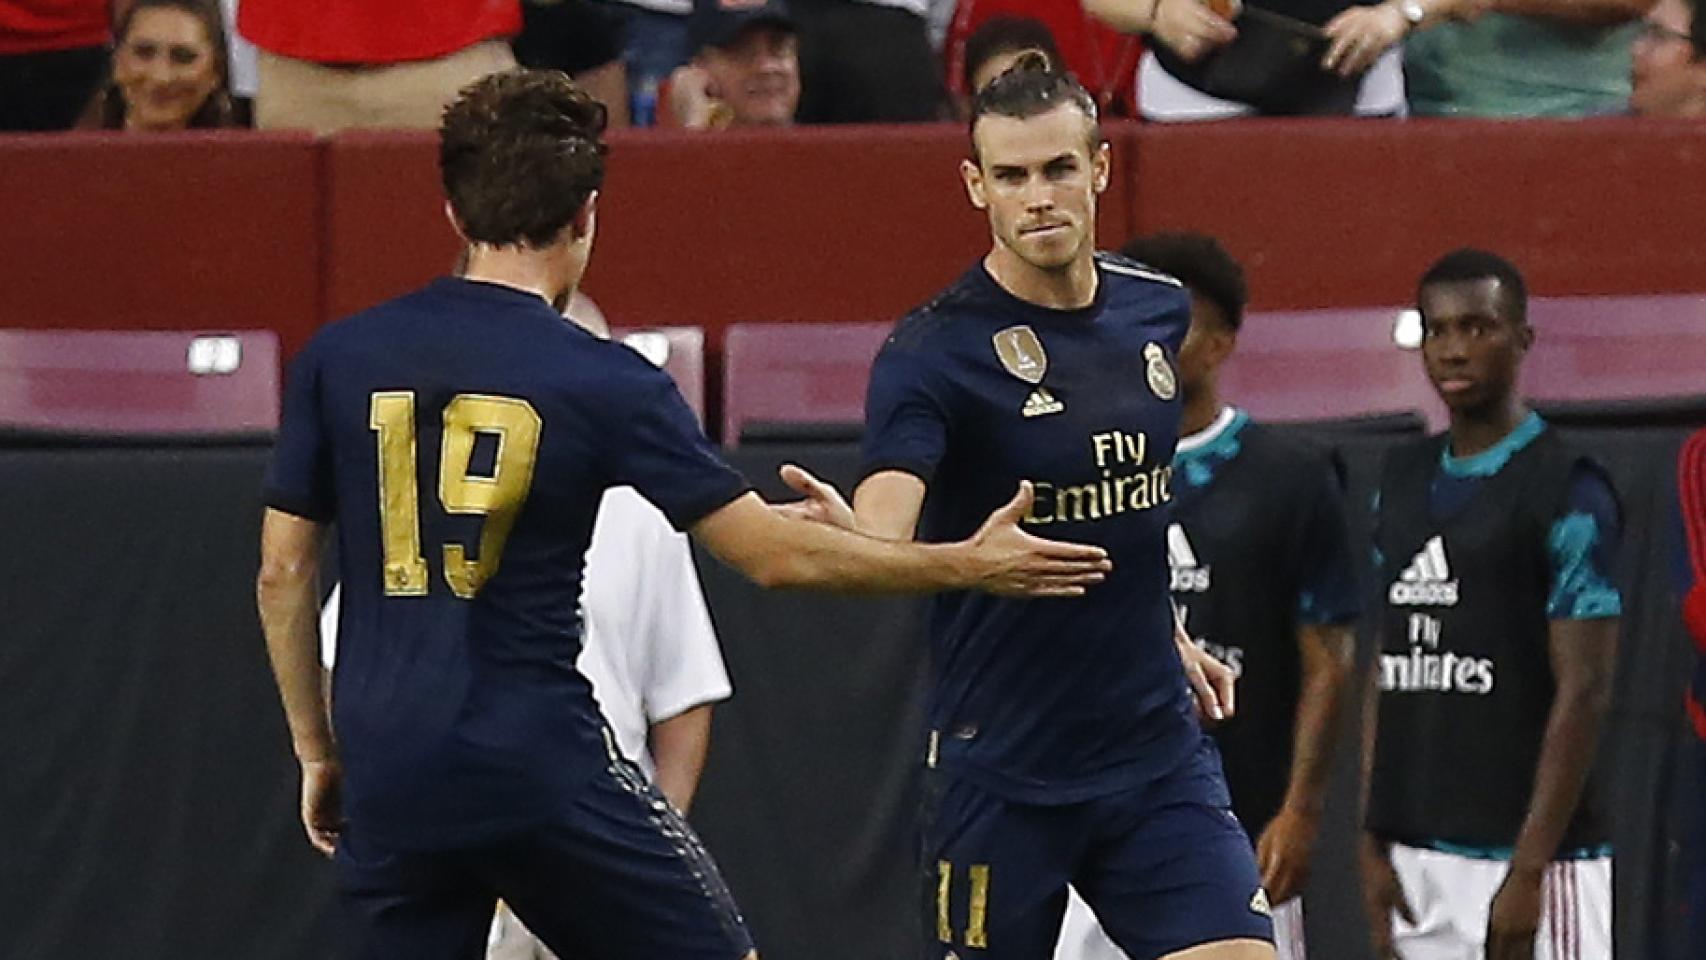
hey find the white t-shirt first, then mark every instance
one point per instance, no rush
(649, 648)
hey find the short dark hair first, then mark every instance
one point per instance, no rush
(1006, 34)
(1468, 264)
(1201, 264)
(1032, 86)
(1696, 28)
(520, 152)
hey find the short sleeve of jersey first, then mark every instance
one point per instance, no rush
(906, 421)
(1327, 586)
(684, 668)
(664, 455)
(1584, 547)
(299, 480)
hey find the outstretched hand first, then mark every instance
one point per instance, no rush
(1011, 562)
(822, 504)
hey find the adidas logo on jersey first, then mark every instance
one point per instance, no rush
(1188, 575)
(1427, 581)
(1041, 403)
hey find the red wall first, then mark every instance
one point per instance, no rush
(284, 232)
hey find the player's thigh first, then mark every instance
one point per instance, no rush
(623, 877)
(1174, 871)
(404, 906)
(996, 874)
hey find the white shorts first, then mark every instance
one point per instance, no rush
(1081, 937)
(1450, 896)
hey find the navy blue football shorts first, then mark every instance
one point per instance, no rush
(621, 876)
(1165, 867)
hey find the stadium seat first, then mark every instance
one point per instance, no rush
(1325, 364)
(77, 383)
(1617, 348)
(798, 381)
(680, 351)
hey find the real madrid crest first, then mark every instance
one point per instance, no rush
(1022, 354)
(1162, 382)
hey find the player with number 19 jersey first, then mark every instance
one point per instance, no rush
(461, 437)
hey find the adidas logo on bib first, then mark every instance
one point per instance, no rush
(1188, 575)
(1427, 581)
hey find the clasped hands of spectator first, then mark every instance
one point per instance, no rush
(1361, 34)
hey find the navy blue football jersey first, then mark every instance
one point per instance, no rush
(1047, 700)
(460, 438)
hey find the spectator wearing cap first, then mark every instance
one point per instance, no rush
(746, 72)
(1669, 78)
(53, 56)
(332, 64)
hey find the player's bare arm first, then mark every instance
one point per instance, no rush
(887, 505)
(679, 745)
(778, 550)
(1584, 656)
(1283, 851)
(287, 592)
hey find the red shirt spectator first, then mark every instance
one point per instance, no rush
(374, 31)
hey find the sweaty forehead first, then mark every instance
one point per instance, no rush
(1462, 299)
(1034, 140)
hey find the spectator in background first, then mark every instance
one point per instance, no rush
(53, 56)
(1524, 58)
(582, 38)
(1669, 76)
(865, 61)
(655, 42)
(169, 69)
(333, 64)
(1103, 60)
(994, 47)
(1220, 59)
(746, 72)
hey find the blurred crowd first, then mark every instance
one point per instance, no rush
(144, 65)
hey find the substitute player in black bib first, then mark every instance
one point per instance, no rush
(461, 438)
(1263, 574)
(1495, 546)
(1062, 739)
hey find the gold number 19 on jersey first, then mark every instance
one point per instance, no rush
(498, 498)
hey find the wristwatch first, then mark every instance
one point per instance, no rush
(1413, 12)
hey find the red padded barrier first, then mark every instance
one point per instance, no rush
(797, 373)
(1323, 365)
(824, 224)
(134, 381)
(386, 232)
(161, 232)
(1332, 213)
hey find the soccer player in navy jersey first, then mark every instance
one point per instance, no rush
(1063, 743)
(461, 438)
